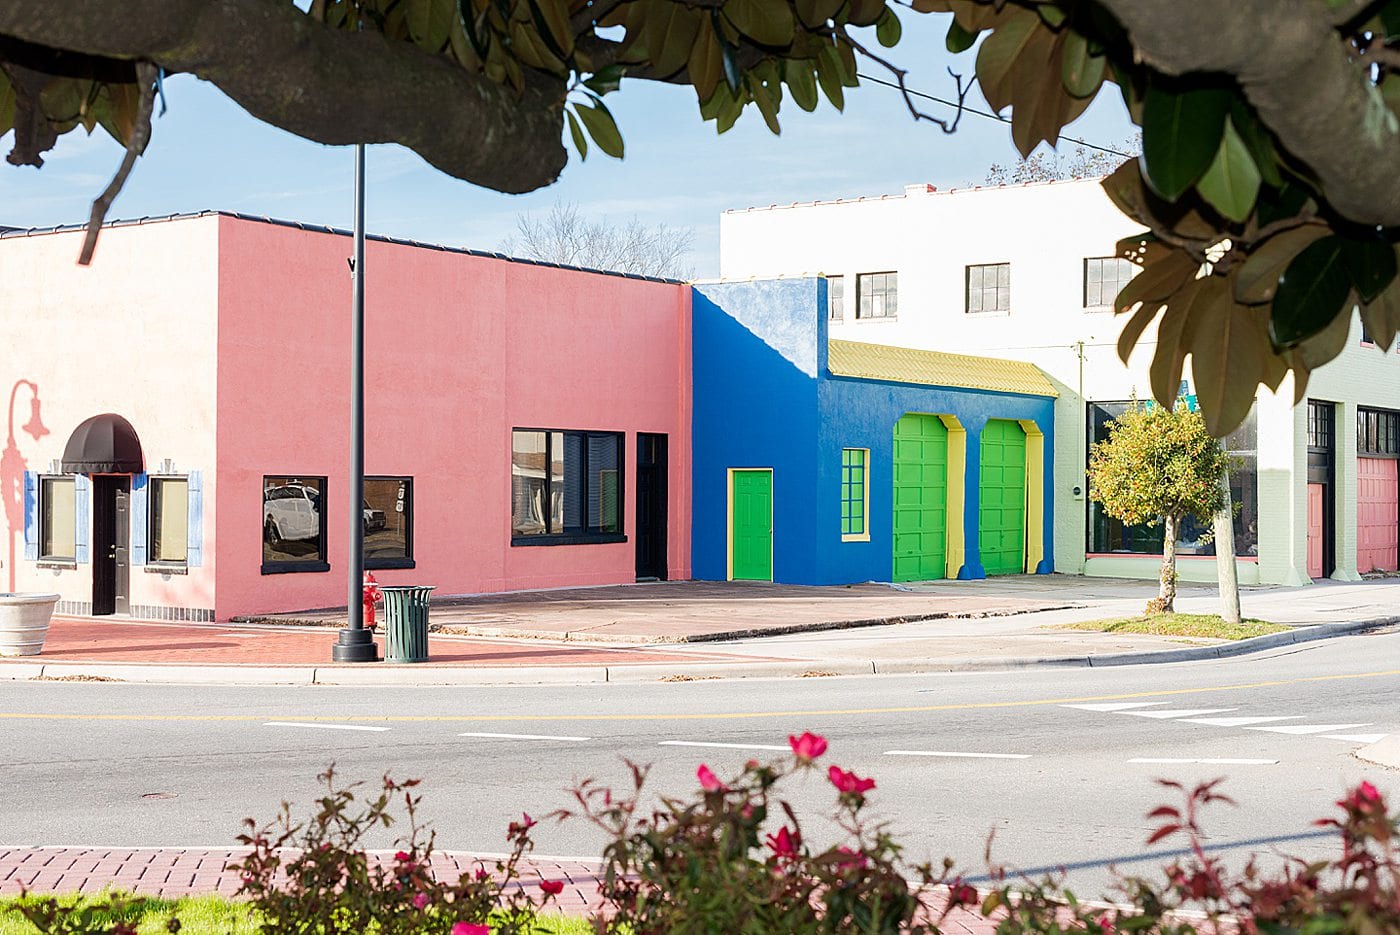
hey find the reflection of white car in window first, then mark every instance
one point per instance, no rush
(291, 511)
(373, 519)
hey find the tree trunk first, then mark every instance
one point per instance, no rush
(1166, 594)
(1225, 558)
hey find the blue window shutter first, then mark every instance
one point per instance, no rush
(140, 516)
(82, 497)
(194, 547)
(31, 516)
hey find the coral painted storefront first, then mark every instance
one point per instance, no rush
(526, 425)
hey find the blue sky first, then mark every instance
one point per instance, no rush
(207, 153)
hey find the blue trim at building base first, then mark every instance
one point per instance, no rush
(972, 572)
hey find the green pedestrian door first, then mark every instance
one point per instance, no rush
(1002, 498)
(751, 525)
(920, 498)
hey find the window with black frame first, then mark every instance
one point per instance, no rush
(387, 519)
(566, 487)
(1110, 536)
(294, 524)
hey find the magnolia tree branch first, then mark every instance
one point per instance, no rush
(327, 85)
(135, 146)
(1294, 67)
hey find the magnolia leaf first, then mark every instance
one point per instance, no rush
(580, 141)
(767, 94)
(1231, 183)
(1173, 338)
(1132, 331)
(1325, 345)
(1181, 133)
(959, 39)
(599, 123)
(829, 75)
(1370, 262)
(1041, 106)
(430, 22)
(7, 104)
(1381, 316)
(669, 34)
(552, 20)
(1257, 141)
(1256, 279)
(706, 65)
(605, 80)
(1054, 16)
(1126, 188)
(764, 21)
(1310, 292)
(815, 13)
(729, 59)
(1080, 70)
(802, 82)
(998, 53)
(1229, 345)
(888, 29)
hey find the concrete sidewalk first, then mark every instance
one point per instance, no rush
(685, 631)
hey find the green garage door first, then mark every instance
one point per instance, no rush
(1002, 498)
(920, 498)
(751, 526)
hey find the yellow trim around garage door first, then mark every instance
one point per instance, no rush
(957, 494)
(1035, 495)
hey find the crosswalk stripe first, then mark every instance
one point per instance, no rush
(1357, 738)
(1214, 761)
(1115, 705)
(1307, 728)
(1189, 712)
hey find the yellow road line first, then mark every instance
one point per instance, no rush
(707, 716)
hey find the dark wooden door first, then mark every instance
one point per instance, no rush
(651, 506)
(111, 538)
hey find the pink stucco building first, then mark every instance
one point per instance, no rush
(526, 425)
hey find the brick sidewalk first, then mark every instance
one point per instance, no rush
(174, 872)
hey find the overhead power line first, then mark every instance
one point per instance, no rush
(983, 113)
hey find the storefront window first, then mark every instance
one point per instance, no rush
(565, 486)
(170, 520)
(388, 522)
(294, 524)
(1108, 535)
(58, 528)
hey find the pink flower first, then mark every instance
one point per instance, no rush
(420, 900)
(403, 857)
(847, 782)
(552, 887)
(708, 780)
(782, 844)
(467, 928)
(807, 747)
(1368, 793)
(850, 857)
(961, 894)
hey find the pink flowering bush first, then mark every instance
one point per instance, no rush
(317, 876)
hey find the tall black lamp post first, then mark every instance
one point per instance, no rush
(356, 644)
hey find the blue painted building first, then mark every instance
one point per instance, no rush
(830, 462)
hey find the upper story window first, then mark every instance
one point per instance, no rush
(58, 512)
(1104, 278)
(877, 295)
(1320, 425)
(170, 520)
(836, 297)
(294, 524)
(989, 288)
(1377, 432)
(566, 487)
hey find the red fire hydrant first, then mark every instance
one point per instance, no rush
(371, 597)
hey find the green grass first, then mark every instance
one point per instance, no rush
(1191, 625)
(211, 915)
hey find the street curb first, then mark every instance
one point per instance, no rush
(411, 676)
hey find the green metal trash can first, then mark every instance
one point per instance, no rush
(405, 622)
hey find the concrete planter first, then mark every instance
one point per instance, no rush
(24, 622)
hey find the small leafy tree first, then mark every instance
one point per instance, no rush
(1159, 465)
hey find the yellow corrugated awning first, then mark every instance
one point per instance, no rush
(936, 368)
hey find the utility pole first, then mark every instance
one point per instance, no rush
(356, 644)
(1225, 557)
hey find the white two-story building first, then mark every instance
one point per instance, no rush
(1028, 273)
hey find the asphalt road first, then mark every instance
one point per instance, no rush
(1059, 783)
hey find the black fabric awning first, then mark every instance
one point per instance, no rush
(105, 444)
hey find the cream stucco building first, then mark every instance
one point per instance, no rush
(1028, 273)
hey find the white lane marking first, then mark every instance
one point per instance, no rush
(490, 736)
(1115, 705)
(727, 746)
(323, 726)
(1178, 712)
(1217, 761)
(1307, 728)
(1238, 721)
(953, 753)
(1357, 738)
